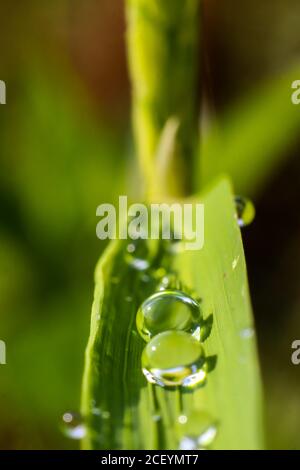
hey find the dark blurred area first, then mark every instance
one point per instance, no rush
(65, 148)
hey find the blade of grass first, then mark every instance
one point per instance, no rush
(218, 274)
(162, 50)
(250, 141)
(117, 403)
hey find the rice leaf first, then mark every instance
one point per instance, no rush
(122, 410)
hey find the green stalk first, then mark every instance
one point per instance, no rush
(163, 38)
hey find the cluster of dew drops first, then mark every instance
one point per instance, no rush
(169, 321)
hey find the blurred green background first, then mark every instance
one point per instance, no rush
(65, 148)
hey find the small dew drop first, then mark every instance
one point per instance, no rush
(175, 245)
(174, 358)
(170, 281)
(156, 418)
(182, 419)
(165, 281)
(243, 292)
(145, 278)
(245, 211)
(96, 411)
(247, 333)
(168, 310)
(73, 426)
(164, 284)
(131, 248)
(105, 414)
(199, 431)
(235, 263)
(137, 255)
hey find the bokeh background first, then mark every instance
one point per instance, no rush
(65, 148)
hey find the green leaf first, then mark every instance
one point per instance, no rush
(117, 402)
(250, 141)
(163, 42)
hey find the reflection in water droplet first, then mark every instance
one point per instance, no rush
(174, 358)
(168, 310)
(208, 436)
(137, 255)
(247, 333)
(245, 210)
(199, 431)
(73, 426)
(187, 443)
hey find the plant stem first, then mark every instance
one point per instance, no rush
(163, 40)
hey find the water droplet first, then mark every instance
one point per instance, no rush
(235, 262)
(170, 281)
(182, 419)
(156, 418)
(164, 284)
(96, 411)
(145, 278)
(174, 358)
(137, 255)
(168, 310)
(247, 333)
(73, 425)
(175, 245)
(199, 431)
(245, 210)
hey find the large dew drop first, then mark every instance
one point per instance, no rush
(198, 431)
(174, 358)
(168, 310)
(245, 210)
